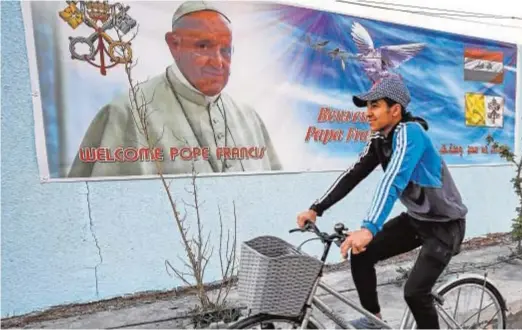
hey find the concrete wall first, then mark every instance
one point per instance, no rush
(77, 242)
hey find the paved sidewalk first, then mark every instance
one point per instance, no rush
(163, 313)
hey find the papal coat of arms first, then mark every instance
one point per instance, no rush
(102, 18)
(494, 110)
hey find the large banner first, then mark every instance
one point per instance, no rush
(246, 87)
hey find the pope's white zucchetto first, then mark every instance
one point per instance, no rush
(189, 7)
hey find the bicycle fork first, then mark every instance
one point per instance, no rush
(309, 302)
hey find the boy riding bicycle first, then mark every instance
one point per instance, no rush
(415, 173)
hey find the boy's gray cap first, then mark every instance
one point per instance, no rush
(391, 86)
(189, 7)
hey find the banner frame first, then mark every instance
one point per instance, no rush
(518, 103)
(39, 127)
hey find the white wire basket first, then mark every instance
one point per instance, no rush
(274, 277)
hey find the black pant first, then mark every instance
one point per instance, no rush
(439, 240)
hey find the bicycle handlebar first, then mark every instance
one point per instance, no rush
(338, 237)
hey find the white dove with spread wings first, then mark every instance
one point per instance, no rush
(377, 62)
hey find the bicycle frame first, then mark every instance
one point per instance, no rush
(314, 301)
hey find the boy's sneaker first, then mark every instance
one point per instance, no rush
(364, 323)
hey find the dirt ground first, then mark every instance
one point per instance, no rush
(515, 321)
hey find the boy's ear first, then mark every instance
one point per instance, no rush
(396, 109)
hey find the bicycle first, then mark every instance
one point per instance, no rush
(268, 272)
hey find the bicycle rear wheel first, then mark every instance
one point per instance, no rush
(482, 317)
(266, 321)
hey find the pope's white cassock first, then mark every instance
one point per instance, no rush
(178, 116)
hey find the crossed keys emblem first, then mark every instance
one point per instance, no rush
(102, 17)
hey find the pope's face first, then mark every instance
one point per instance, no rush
(202, 47)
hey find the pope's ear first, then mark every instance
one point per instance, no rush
(172, 41)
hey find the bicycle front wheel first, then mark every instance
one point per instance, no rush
(473, 303)
(265, 321)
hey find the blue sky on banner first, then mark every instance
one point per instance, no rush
(434, 75)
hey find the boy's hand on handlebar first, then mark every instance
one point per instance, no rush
(306, 215)
(357, 241)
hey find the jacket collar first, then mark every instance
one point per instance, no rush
(390, 135)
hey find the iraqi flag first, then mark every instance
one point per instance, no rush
(483, 65)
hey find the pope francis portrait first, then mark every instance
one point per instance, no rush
(186, 107)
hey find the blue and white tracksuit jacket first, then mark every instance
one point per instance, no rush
(414, 172)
